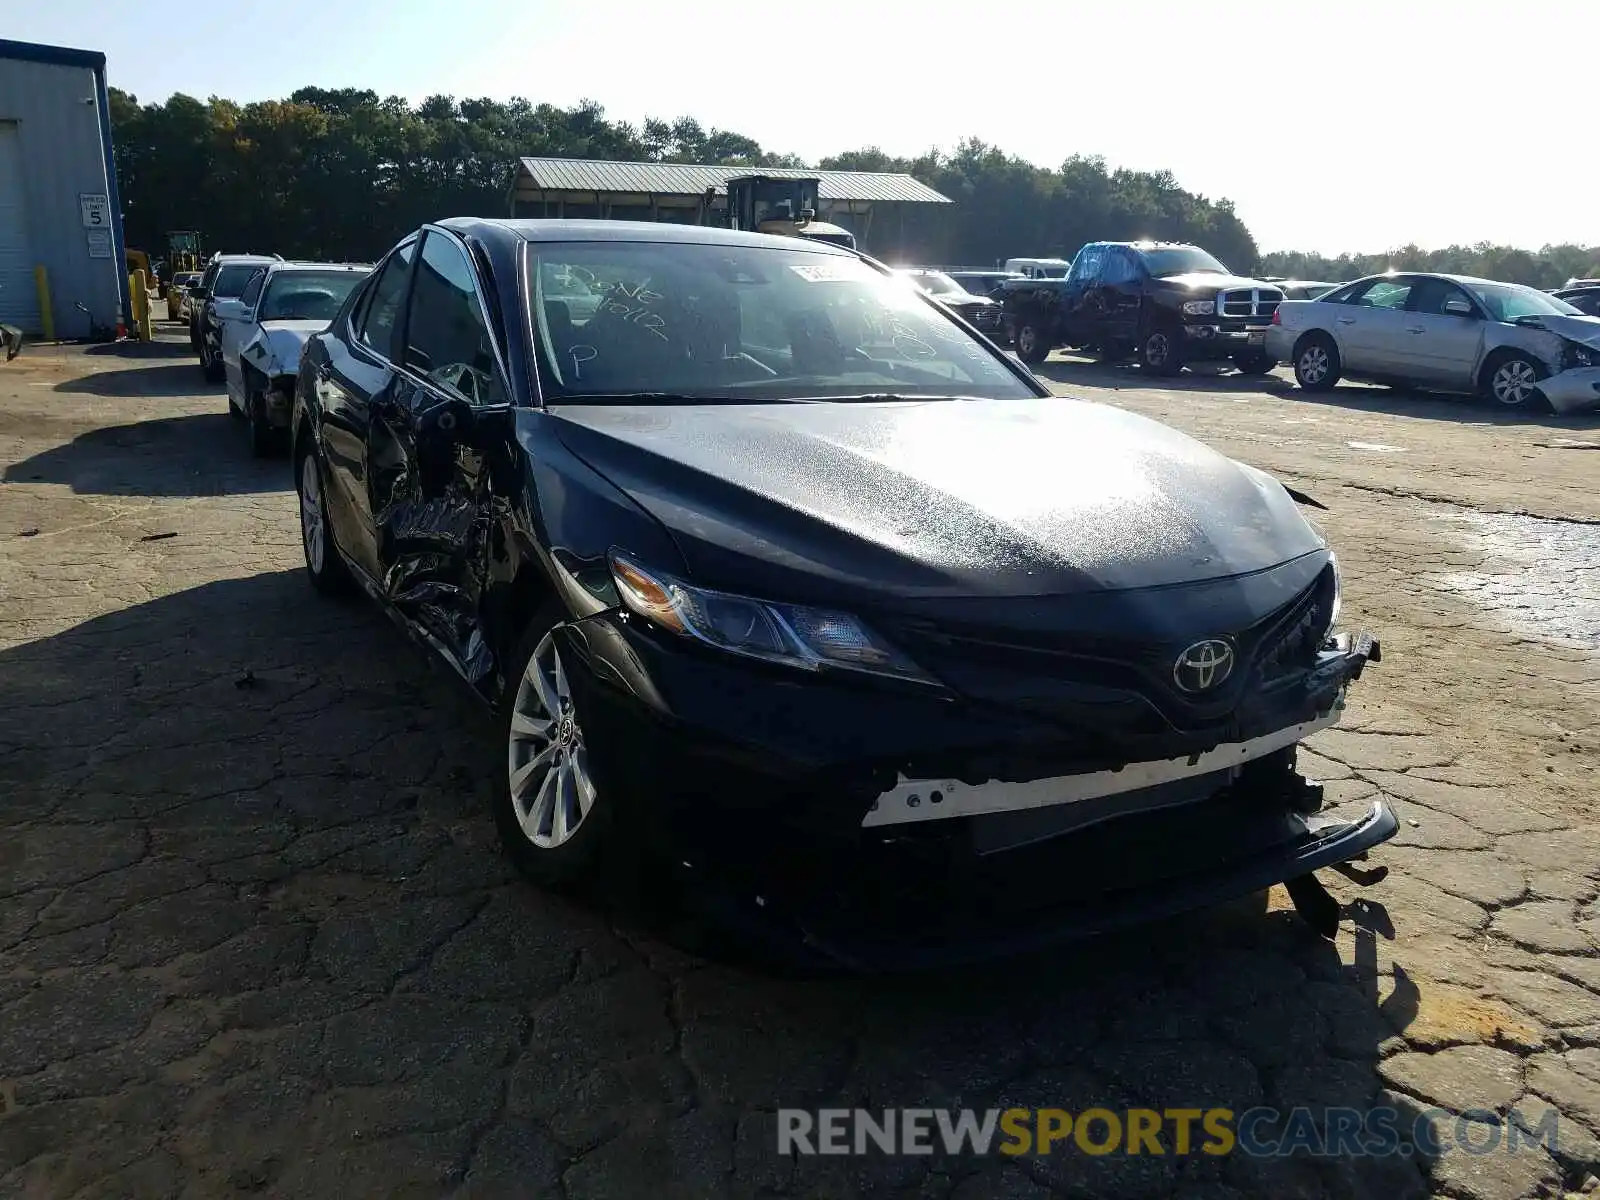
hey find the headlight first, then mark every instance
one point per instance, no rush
(1199, 308)
(1338, 593)
(811, 639)
(1579, 355)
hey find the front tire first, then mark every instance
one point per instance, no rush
(1316, 363)
(324, 567)
(1511, 379)
(1033, 347)
(265, 440)
(1256, 363)
(210, 364)
(554, 822)
(1160, 353)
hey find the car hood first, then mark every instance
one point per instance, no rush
(1578, 329)
(282, 341)
(1209, 281)
(1032, 497)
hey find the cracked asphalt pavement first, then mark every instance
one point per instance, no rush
(256, 937)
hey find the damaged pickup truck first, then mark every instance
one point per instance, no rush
(776, 574)
(263, 332)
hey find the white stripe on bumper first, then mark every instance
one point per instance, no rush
(957, 799)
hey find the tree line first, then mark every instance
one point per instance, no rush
(343, 173)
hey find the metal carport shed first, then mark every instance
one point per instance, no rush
(60, 216)
(695, 194)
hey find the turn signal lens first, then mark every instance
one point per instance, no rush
(644, 595)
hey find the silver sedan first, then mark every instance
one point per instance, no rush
(1515, 345)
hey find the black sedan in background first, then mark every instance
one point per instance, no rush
(773, 569)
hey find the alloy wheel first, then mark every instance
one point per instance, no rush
(548, 763)
(1025, 337)
(312, 530)
(1313, 364)
(1514, 382)
(1156, 350)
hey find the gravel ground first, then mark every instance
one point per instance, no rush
(255, 935)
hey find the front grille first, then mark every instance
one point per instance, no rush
(1291, 641)
(983, 316)
(1278, 645)
(1249, 302)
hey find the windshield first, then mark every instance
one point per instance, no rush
(1180, 260)
(1508, 301)
(734, 322)
(231, 280)
(936, 282)
(306, 295)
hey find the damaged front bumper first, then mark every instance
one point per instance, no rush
(790, 802)
(1577, 390)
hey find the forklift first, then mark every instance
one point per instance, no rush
(183, 251)
(784, 206)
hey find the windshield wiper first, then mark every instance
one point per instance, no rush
(658, 398)
(882, 397)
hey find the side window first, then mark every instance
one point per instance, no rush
(1087, 266)
(1385, 293)
(447, 334)
(1429, 296)
(252, 290)
(378, 322)
(1117, 268)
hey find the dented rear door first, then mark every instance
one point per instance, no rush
(429, 454)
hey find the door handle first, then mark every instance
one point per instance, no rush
(1415, 329)
(1347, 320)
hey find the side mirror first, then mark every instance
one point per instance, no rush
(229, 310)
(1457, 307)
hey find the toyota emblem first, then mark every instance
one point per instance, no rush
(1203, 665)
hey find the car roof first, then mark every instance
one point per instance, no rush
(1147, 244)
(531, 230)
(308, 265)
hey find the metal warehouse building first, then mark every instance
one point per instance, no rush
(696, 195)
(59, 209)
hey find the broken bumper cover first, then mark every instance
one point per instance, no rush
(761, 784)
(1577, 390)
(863, 937)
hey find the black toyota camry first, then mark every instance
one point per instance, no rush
(773, 568)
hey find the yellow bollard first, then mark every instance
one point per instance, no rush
(47, 319)
(141, 306)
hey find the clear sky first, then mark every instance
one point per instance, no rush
(1331, 124)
